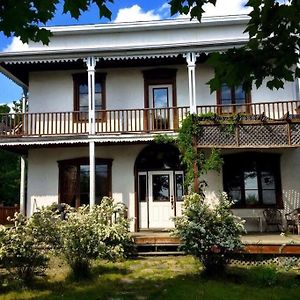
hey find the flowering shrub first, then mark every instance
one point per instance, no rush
(209, 233)
(101, 232)
(20, 251)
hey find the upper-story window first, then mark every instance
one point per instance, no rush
(81, 94)
(233, 99)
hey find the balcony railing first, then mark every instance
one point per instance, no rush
(107, 121)
(135, 120)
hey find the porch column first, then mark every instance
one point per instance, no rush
(92, 173)
(191, 64)
(23, 161)
(91, 64)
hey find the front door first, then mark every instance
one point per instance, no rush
(160, 198)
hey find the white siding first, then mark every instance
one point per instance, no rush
(53, 90)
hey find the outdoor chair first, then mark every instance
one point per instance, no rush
(293, 220)
(273, 217)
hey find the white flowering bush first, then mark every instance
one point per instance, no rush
(101, 232)
(209, 233)
(20, 251)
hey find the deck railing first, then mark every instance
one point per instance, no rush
(132, 120)
(271, 110)
(107, 121)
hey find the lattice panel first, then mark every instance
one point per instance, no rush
(213, 135)
(295, 134)
(263, 135)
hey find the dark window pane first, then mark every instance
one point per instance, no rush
(267, 180)
(226, 95)
(240, 95)
(142, 188)
(269, 197)
(161, 187)
(102, 182)
(251, 197)
(68, 185)
(84, 184)
(179, 187)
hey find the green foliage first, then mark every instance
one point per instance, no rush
(164, 139)
(20, 251)
(85, 234)
(9, 178)
(264, 275)
(271, 53)
(23, 18)
(209, 233)
(190, 130)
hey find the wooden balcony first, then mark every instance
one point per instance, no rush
(107, 122)
(257, 125)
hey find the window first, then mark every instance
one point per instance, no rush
(74, 181)
(233, 100)
(81, 95)
(253, 179)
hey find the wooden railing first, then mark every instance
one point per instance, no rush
(107, 121)
(271, 110)
(133, 120)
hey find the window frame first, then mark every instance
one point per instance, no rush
(240, 160)
(78, 162)
(82, 78)
(248, 100)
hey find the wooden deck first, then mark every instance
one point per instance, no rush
(271, 243)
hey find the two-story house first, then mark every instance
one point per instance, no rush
(99, 94)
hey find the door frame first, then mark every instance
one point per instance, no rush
(159, 77)
(148, 174)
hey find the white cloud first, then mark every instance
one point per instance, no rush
(16, 46)
(225, 7)
(136, 13)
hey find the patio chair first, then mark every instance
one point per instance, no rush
(292, 219)
(273, 217)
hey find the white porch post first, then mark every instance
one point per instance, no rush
(191, 64)
(91, 64)
(23, 161)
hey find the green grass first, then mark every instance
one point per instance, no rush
(158, 278)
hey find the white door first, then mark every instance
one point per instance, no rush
(160, 196)
(161, 199)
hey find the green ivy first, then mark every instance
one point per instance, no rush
(192, 129)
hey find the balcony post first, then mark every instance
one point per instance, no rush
(91, 64)
(23, 161)
(191, 58)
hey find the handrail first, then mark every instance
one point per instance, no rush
(132, 120)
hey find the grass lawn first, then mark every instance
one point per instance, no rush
(158, 278)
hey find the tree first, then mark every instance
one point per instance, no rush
(272, 52)
(9, 172)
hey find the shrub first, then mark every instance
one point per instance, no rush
(101, 232)
(20, 251)
(209, 233)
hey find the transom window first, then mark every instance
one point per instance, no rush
(253, 180)
(233, 100)
(74, 181)
(81, 94)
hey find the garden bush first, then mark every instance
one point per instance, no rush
(20, 252)
(209, 233)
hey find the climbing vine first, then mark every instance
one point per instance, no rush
(191, 129)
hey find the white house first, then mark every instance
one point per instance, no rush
(99, 94)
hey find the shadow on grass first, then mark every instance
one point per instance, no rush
(118, 282)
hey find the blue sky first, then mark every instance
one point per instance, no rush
(122, 11)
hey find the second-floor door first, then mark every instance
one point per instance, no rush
(160, 102)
